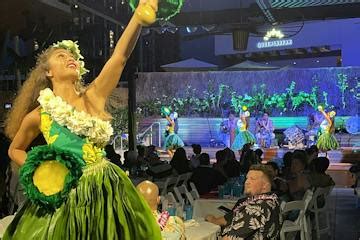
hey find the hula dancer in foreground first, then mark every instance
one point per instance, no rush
(172, 140)
(74, 192)
(327, 140)
(243, 135)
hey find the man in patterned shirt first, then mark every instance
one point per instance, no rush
(258, 215)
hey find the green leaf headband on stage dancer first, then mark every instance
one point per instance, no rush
(73, 47)
(167, 8)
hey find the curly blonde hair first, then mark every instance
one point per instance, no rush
(26, 99)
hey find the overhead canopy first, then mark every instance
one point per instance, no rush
(190, 64)
(250, 65)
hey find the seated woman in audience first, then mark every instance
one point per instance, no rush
(194, 160)
(279, 184)
(220, 162)
(312, 153)
(180, 162)
(231, 167)
(247, 160)
(286, 170)
(298, 180)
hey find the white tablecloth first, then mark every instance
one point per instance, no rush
(203, 207)
(202, 231)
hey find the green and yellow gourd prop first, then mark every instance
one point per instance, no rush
(49, 174)
(147, 15)
(165, 111)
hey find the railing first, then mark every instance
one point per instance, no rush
(148, 132)
(144, 134)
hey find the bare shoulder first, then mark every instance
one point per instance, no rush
(32, 119)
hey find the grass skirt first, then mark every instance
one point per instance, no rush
(241, 139)
(172, 142)
(104, 205)
(327, 141)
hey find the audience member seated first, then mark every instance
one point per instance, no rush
(258, 154)
(194, 160)
(141, 155)
(159, 170)
(205, 177)
(244, 149)
(247, 159)
(231, 167)
(172, 227)
(220, 162)
(264, 131)
(298, 181)
(286, 170)
(279, 184)
(256, 216)
(112, 155)
(179, 161)
(151, 155)
(131, 162)
(312, 153)
(318, 177)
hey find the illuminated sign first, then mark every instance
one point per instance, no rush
(275, 43)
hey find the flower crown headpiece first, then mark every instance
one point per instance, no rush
(73, 47)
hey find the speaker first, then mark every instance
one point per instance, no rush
(240, 39)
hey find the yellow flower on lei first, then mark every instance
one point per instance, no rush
(45, 128)
(91, 153)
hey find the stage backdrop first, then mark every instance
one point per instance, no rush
(284, 92)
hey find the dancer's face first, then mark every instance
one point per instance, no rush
(62, 65)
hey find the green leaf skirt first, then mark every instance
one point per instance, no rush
(241, 139)
(327, 141)
(104, 205)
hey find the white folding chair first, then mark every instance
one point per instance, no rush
(166, 199)
(179, 196)
(194, 192)
(171, 183)
(183, 194)
(300, 224)
(183, 179)
(162, 185)
(321, 195)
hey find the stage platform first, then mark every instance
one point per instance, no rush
(207, 131)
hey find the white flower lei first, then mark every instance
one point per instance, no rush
(78, 122)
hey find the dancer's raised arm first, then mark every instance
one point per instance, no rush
(109, 76)
(325, 114)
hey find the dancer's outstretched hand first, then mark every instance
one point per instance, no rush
(152, 3)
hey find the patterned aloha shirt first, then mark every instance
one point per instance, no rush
(256, 217)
